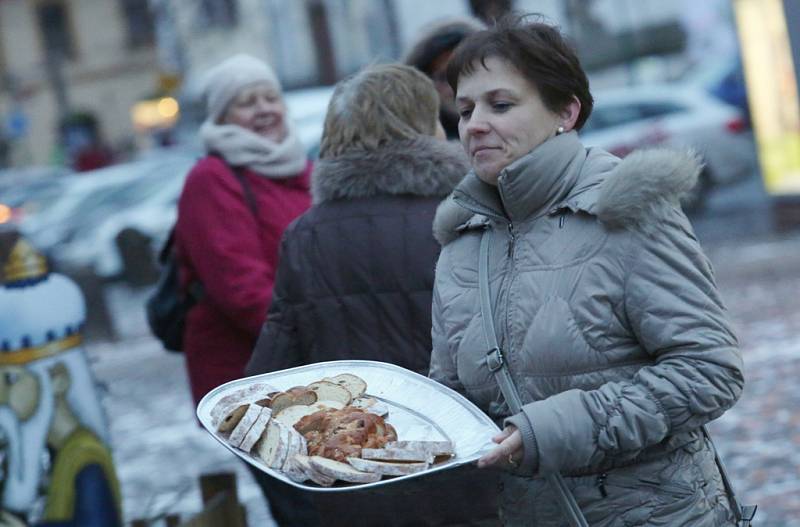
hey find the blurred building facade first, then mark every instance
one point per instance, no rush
(105, 56)
(63, 56)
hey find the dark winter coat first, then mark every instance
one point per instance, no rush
(355, 282)
(234, 255)
(356, 270)
(612, 327)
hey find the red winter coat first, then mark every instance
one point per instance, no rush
(234, 256)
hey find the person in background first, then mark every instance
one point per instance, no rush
(356, 271)
(234, 207)
(605, 307)
(430, 54)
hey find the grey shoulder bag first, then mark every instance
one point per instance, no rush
(497, 365)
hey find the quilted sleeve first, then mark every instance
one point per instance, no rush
(676, 314)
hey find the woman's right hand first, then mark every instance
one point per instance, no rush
(508, 453)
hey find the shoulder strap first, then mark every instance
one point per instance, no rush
(249, 196)
(744, 513)
(497, 365)
(195, 289)
(238, 171)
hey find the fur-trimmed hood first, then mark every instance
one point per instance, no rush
(425, 166)
(631, 193)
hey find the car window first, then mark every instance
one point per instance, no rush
(613, 115)
(658, 109)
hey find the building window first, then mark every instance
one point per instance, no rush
(219, 13)
(139, 21)
(55, 26)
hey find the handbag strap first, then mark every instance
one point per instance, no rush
(195, 290)
(744, 513)
(497, 365)
(249, 196)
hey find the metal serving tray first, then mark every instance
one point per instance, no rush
(419, 409)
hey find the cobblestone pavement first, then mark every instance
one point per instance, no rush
(160, 450)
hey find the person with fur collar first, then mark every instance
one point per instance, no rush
(356, 270)
(235, 204)
(613, 341)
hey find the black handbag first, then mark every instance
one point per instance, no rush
(168, 305)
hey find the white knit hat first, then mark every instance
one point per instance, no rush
(224, 81)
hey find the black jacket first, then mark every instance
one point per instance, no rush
(356, 270)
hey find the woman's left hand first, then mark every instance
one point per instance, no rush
(508, 453)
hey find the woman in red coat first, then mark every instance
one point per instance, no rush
(232, 212)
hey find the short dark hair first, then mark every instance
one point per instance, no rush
(538, 51)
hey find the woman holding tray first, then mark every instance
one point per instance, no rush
(613, 342)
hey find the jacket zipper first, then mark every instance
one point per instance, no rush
(511, 240)
(508, 280)
(600, 483)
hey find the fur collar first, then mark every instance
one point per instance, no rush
(633, 194)
(644, 185)
(424, 166)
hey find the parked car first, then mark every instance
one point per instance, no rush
(25, 191)
(151, 215)
(91, 198)
(723, 78)
(626, 119)
(27, 199)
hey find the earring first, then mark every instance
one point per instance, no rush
(560, 130)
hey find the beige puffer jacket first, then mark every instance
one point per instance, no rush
(614, 332)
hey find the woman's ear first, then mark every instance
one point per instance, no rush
(569, 115)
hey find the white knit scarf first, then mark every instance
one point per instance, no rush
(241, 147)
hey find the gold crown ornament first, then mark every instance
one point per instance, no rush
(24, 264)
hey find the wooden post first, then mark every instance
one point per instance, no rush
(213, 484)
(222, 509)
(173, 520)
(323, 42)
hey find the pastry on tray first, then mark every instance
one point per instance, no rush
(327, 431)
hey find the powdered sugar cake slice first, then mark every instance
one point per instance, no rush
(274, 445)
(243, 396)
(297, 447)
(303, 463)
(245, 423)
(342, 471)
(385, 468)
(397, 454)
(435, 448)
(256, 431)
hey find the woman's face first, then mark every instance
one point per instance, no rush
(259, 108)
(502, 117)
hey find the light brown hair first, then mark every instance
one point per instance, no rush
(380, 104)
